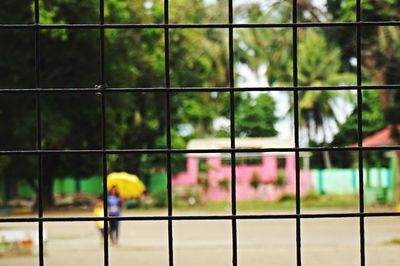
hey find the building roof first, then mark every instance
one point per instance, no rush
(380, 138)
(240, 143)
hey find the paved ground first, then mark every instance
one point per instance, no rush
(325, 242)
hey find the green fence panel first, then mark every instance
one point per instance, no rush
(64, 185)
(25, 191)
(334, 181)
(378, 183)
(158, 182)
(92, 185)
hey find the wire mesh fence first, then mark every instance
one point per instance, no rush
(167, 91)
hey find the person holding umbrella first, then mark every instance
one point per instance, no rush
(121, 185)
(114, 202)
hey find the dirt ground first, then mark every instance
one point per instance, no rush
(260, 242)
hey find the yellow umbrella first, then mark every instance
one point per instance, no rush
(128, 185)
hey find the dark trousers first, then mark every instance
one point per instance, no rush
(114, 230)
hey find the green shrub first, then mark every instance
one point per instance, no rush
(203, 181)
(286, 196)
(255, 180)
(224, 183)
(159, 199)
(311, 195)
(204, 167)
(280, 180)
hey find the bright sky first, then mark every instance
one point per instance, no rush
(284, 126)
(250, 79)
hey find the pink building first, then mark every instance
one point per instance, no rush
(258, 175)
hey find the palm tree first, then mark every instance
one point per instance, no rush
(318, 65)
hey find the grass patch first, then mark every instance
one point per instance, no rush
(288, 203)
(331, 201)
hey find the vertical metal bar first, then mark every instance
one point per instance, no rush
(360, 134)
(168, 132)
(102, 87)
(296, 130)
(39, 130)
(232, 132)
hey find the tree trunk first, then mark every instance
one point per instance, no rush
(378, 76)
(327, 159)
(48, 192)
(11, 187)
(325, 154)
(12, 176)
(49, 172)
(317, 14)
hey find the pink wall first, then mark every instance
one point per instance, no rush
(190, 176)
(267, 172)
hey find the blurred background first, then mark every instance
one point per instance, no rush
(199, 58)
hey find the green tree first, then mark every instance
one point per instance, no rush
(380, 44)
(255, 116)
(69, 59)
(372, 121)
(318, 64)
(198, 111)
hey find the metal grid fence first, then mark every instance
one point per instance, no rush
(102, 89)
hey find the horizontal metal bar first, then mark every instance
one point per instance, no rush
(205, 25)
(199, 89)
(201, 217)
(198, 151)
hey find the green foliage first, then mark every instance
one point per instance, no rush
(204, 182)
(288, 203)
(255, 116)
(205, 56)
(330, 201)
(198, 112)
(281, 179)
(159, 199)
(204, 167)
(199, 57)
(319, 64)
(255, 47)
(286, 196)
(380, 44)
(373, 121)
(255, 180)
(224, 183)
(311, 195)
(134, 58)
(373, 10)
